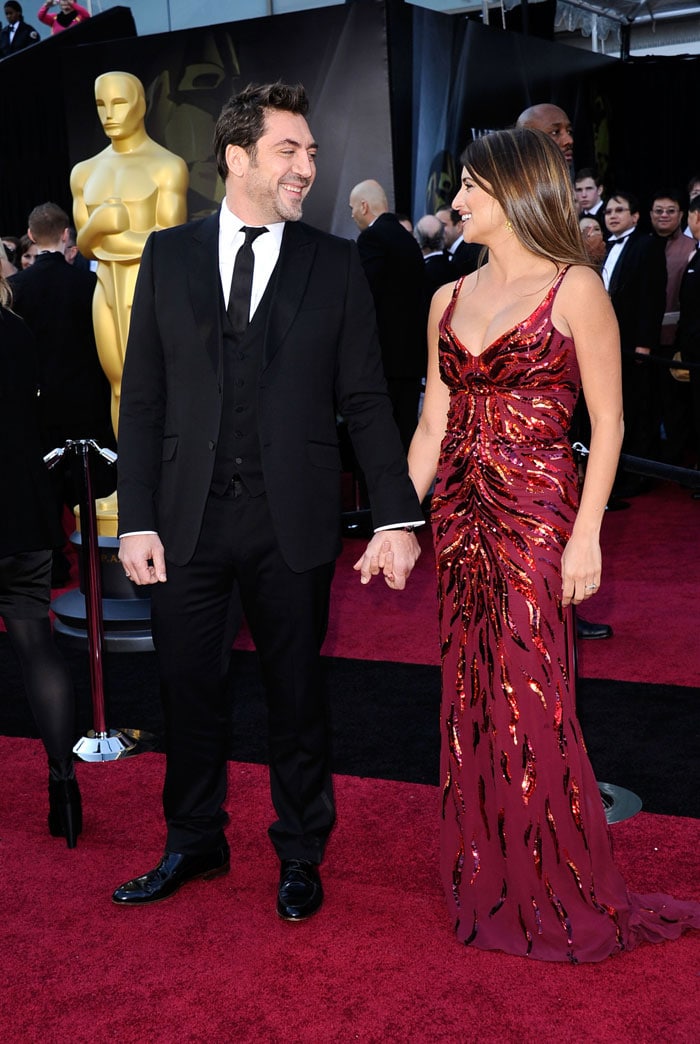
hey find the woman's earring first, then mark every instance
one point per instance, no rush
(509, 227)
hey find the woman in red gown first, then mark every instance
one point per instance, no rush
(525, 849)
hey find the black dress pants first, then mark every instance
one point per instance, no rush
(288, 614)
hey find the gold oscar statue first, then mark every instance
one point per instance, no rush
(130, 189)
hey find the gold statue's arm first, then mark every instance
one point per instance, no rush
(108, 228)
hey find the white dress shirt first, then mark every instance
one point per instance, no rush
(615, 248)
(266, 249)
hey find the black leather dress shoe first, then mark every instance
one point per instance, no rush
(173, 871)
(585, 629)
(300, 892)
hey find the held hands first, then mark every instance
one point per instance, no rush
(143, 558)
(393, 552)
(580, 571)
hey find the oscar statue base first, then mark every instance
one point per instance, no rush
(126, 609)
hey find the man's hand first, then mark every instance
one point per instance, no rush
(143, 558)
(393, 552)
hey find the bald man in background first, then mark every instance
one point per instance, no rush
(393, 264)
(554, 122)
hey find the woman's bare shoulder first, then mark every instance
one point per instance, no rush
(581, 298)
(582, 279)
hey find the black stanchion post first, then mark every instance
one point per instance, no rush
(93, 588)
(100, 743)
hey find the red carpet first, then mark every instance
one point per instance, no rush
(651, 576)
(379, 963)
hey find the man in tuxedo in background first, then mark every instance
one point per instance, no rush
(634, 274)
(249, 329)
(55, 301)
(588, 189)
(393, 264)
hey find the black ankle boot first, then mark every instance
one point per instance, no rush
(65, 807)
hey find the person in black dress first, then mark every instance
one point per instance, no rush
(29, 530)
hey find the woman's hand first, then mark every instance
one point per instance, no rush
(580, 570)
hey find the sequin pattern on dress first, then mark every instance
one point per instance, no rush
(523, 827)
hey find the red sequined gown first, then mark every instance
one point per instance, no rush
(525, 849)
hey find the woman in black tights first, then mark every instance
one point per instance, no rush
(28, 531)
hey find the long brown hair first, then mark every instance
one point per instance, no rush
(526, 174)
(5, 293)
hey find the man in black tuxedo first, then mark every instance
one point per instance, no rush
(589, 189)
(55, 301)
(634, 274)
(16, 35)
(249, 331)
(393, 264)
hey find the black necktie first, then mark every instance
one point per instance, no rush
(242, 281)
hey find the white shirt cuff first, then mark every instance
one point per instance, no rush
(400, 525)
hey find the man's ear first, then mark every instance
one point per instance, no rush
(29, 233)
(237, 160)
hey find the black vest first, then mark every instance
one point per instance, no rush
(238, 448)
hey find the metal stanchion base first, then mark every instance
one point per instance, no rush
(112, 745)
(618, 803)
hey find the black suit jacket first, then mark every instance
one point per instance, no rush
(320, 355)
(437, 270)
(25, 36)
(28, 520)
(55, 300)
(394, 266)
(638, 291)
(465, 259)
(688, 331)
